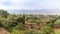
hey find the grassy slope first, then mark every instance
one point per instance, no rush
(57, 31)
(57, 22)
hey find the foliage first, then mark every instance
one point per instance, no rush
(31, 32)
(37, 21)
(14, 23)
(15, 32)
(46, 30)
(4, 13)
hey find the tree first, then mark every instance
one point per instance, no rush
(23, 18)
(4, 13)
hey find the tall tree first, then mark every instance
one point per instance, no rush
(23, 18)
(4, 13)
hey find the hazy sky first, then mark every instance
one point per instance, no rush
(29, 4)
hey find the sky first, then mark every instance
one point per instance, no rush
(29, 4)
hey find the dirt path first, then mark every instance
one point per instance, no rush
(3, 31)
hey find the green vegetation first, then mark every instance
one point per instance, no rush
(57, 22)
(46, 30)
(57, 31)
(31, 32)
(28, 24)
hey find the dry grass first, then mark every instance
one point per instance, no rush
(57, 31)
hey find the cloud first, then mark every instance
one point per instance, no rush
(29, 4)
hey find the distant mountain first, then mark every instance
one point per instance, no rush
(43, 11)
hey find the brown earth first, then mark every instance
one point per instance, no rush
(3, 31)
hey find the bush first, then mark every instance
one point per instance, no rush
(31, 32)
(15, 32)
(46, 30)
